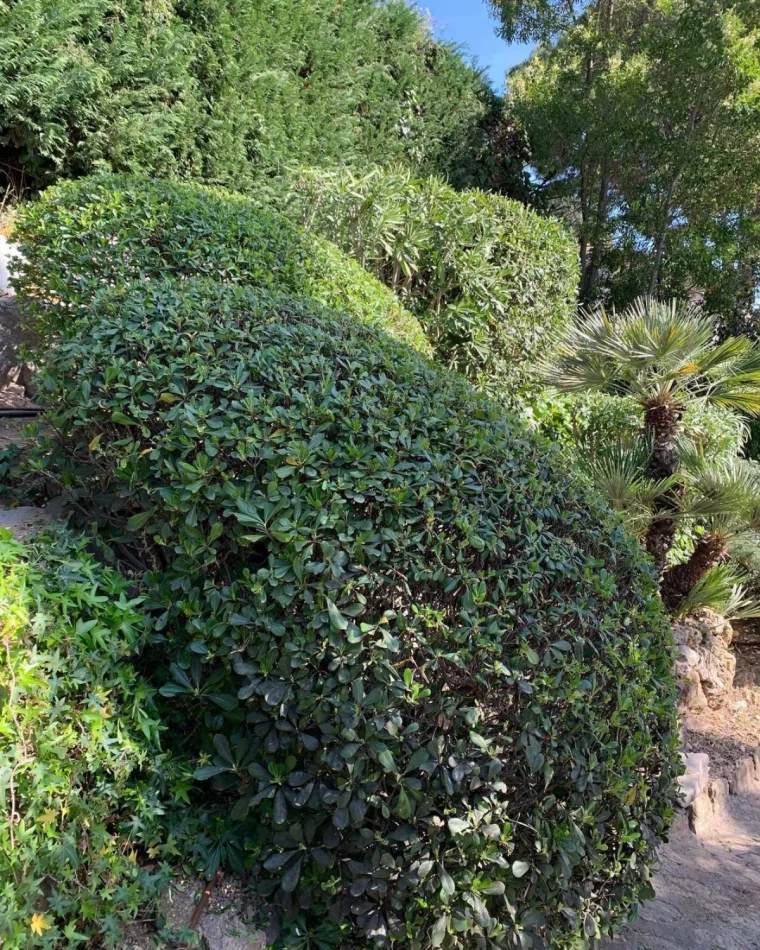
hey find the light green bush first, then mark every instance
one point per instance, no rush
(434, 670)
(80, 760)
(575, 420)
(491, 280)
(82, 236)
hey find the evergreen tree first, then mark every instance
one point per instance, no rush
(236, 91)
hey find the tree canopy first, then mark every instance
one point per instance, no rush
(644, 123)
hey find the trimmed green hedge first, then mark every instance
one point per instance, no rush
(434, 669)
(81, 236)
(491, 280)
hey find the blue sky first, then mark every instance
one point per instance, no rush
(467, 22)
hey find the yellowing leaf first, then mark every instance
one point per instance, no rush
(94, 443)
(168, 397)
(48, 817)
(38, 924)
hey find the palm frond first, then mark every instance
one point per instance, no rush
(653, 347)
(581, 358)
(726, 493)
(618, 469)
(658, 350)
(723, 590)
(732, 377)
(669, 336)
(726, 356)
(712, 590)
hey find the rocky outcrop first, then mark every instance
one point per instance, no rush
(696, 776)
(704, 664)
(7, 250)
(746, 776)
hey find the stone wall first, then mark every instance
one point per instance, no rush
(704, 663)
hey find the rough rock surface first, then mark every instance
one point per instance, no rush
(746, 776)
(13, 334)
(704, 663)
(695, 779)
(7, 249)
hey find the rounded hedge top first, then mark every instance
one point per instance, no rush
(440, 670)
(492, 280)
(82, 235)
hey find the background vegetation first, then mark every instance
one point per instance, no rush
(492, 282)
(644, 123)
(233, 92)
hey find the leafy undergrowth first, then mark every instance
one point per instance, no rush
(83, 778)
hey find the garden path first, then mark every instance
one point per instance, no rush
(708, 886)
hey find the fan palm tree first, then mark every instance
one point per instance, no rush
(663, 354)
(619, 469)
(722, 498)
(725, 499)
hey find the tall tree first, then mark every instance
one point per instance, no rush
(644, 120)
(88, 85)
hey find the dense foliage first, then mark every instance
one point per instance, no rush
(431, 666)
(232, 91)
(80, 760)
(581, 423)
(80, 236)
(490, 279)
(644, 123)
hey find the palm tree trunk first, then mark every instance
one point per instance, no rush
(679, 581)
(661, 420)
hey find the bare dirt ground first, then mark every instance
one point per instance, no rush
(708, 885)
(12, 432)
(730, 733)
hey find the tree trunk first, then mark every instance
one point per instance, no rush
(583, 239)
(662, 237)
(591, 270)
(679, 581)
(661, 420)
(585, 173)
